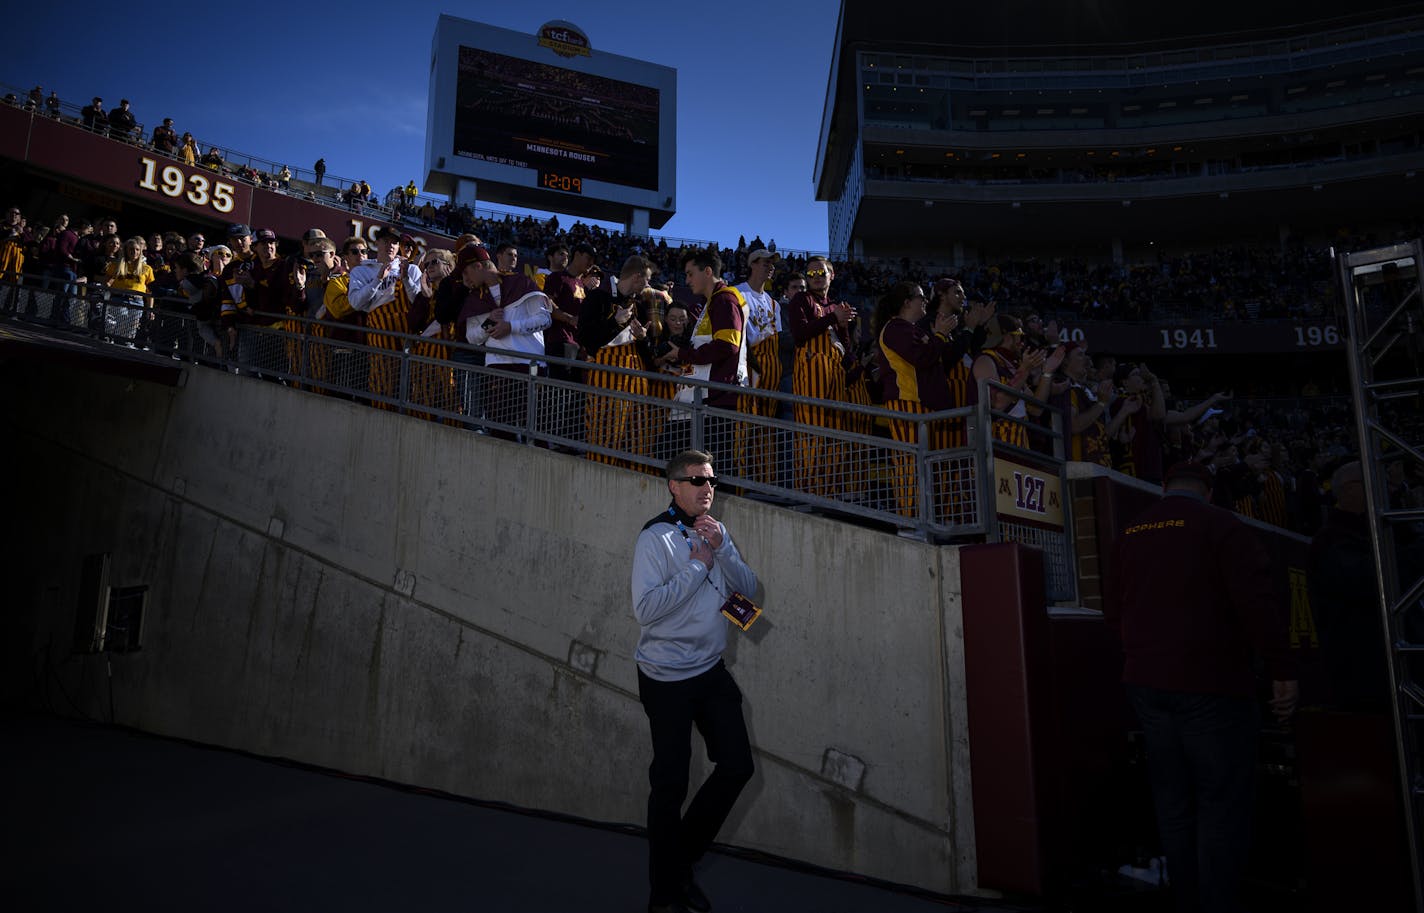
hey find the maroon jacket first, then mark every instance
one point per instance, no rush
(725, 322)
(913, 365)
(57, 249)
(562, 287)
(1193, 600)
(811, 315)
(480, 301)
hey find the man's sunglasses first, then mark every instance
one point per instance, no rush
(815, 272)
(698, 481)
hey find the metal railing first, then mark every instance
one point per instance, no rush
(926, 475)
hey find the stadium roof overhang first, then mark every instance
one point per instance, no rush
(895, 224)
(1063, 28)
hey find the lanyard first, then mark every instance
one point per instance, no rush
(680, 528)
(688, 539)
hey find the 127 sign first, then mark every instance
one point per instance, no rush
(1030, 492)
(1026, 492)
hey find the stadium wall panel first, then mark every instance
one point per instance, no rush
(392, 597)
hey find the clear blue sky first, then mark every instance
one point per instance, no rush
(348, 82)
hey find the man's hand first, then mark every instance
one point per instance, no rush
(1106, 393)
(636, 327)
(701, 550)
(1284, 697)
(710, 530)
(945, 322)
(843, 313)
(979, 313)
(1051, 363)
(501, 330)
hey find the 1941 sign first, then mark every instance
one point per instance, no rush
(1315, 334)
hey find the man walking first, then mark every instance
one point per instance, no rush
(1193, 602)
(686, 569)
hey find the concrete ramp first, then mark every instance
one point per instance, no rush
(396, 598)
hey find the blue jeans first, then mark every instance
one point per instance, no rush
(470, 384)
(61, 278)
(1201, 762)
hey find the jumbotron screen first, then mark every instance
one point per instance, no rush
(517, 112)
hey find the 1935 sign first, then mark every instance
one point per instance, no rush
(196, 187)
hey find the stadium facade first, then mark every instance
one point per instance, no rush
(1096, 128)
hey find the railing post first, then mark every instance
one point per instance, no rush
(531, 413)
(984, 458)
(699, 415)
(403, 388)
(304, 337)
(922, 472)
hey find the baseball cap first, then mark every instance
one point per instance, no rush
(313, 234)
(238, 230)
(266, 234)
(471, 253)
(760, 253)
(385, 231)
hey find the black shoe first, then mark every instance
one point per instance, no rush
(673, 907)
(694, 898)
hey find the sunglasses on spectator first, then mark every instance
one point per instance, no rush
(357, 250)
(815, 272)
(698, 481)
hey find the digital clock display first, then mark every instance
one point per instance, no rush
(555, 180)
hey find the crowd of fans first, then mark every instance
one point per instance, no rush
(120, 124)
(982, 323)
(1271, 463)
(1228, 283)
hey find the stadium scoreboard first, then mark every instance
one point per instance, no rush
(547, 122)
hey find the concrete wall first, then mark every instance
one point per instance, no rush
(392, 597)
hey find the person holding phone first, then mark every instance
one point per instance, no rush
(612, 327)
(508, 316)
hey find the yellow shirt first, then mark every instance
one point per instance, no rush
(137, 282)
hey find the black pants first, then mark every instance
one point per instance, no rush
(1201, 762)
(714, 703)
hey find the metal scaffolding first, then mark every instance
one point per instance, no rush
(1380, 289)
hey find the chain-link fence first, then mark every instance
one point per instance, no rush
(928, 475)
